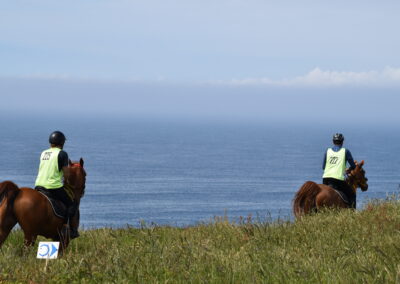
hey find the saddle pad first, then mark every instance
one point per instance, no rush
(59, 209)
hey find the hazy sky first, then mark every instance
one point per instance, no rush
(155, 50)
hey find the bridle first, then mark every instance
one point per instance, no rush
(354, 181)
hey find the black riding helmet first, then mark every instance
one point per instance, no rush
(57, 138)
(338, 138)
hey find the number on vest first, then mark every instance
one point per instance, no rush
(46, 156)
(333, 160)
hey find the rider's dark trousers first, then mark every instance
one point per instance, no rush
(343, 187)
(72, 207)
(59, 194)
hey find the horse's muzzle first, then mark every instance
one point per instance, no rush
(365, 187)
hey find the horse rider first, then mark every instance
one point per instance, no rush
(53, 170)
(334, 167)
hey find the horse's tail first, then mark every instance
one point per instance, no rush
(8, 191)
(304, 200)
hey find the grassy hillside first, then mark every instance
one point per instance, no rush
(330, 247)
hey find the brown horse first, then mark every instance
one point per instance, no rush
(33, 212)
(312, 196)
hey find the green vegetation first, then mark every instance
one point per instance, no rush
(330, 247)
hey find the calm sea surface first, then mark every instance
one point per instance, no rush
(183, 173)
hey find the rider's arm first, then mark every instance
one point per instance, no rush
(349, 159)
(63, 163)
(324, 163)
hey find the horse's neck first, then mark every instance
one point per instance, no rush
(352, 183)
(70, 190)
(74, 189)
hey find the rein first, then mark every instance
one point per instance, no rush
(69, 189)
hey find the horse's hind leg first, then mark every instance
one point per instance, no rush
(7, 222)
(321, 201)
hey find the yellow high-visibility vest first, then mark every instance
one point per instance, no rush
(335, 165)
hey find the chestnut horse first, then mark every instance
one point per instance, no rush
(33, 212)
(312, 196)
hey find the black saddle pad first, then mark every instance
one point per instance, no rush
(59, 208)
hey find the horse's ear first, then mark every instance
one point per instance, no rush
(81, 162)
(69, 162)
(362, 163)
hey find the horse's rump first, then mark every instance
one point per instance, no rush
(35, 213)
(304, 200)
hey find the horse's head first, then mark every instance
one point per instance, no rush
(358, 177)
(76, 179)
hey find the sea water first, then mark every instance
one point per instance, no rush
(180, 173)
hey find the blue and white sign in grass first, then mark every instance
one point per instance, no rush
(48, 250)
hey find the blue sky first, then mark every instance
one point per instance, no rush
(226, 43)
(196, 40)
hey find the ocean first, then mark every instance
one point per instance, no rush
(182, 173)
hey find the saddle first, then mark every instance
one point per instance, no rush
(60, 209)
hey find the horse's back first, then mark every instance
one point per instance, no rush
(328, 197)
(29, 201)
(308, 188)
(313, 188)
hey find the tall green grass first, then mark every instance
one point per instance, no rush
(329, 247)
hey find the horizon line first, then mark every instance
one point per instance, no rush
(317, 77)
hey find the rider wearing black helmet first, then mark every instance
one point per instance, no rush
(57, 138)
(334, 166)
(53, 169)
